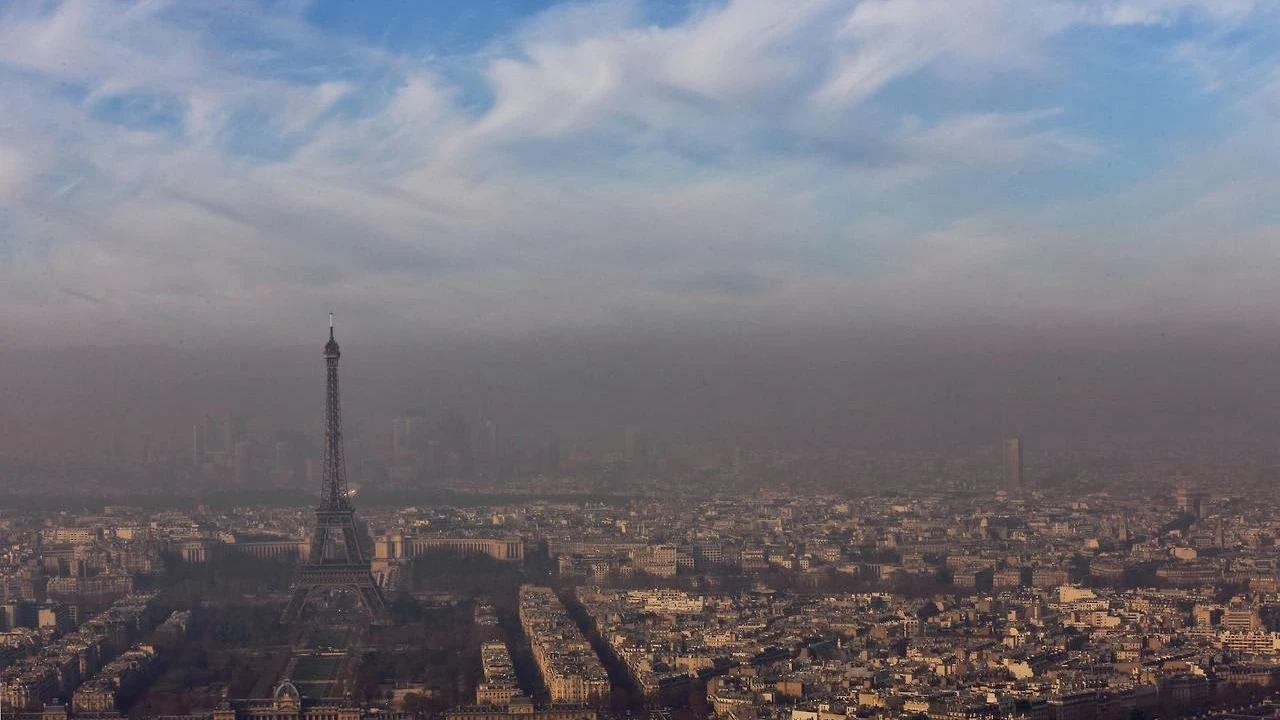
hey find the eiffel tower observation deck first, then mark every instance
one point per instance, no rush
(337, 558)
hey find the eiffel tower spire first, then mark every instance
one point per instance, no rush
(336, 559)
(333, 479)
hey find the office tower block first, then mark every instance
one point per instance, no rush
(1013, 478)
(197, 445)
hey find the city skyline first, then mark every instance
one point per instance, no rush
(700, 360)
(884, 390)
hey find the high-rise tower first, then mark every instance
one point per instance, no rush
(1190, 499)
(336, 559)
(1013, 463)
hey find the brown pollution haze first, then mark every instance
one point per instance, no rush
(870, 388)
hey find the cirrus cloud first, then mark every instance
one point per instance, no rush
(233, 169)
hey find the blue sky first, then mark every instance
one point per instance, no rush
(229, 170)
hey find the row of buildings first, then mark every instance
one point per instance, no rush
(569, 666)
(110, 690)
(498, 685)
(57, 668)
(1068, 653)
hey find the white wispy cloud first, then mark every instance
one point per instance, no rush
(166, 165)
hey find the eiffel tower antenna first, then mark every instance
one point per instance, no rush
(336, 559)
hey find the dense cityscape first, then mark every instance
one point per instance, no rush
(1005, 602)
(685, 360)
(985, 595)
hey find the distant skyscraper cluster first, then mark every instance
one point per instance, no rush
(439, 447)
(216, 441)
(222, 447)
(636, 452)
(416, 447)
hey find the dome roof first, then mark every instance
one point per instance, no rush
(286, 691)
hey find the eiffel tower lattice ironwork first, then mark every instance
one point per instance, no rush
(337, 558)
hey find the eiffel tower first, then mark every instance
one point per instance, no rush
(337, 559)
